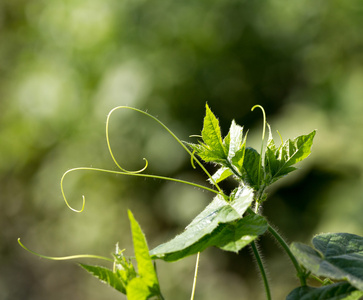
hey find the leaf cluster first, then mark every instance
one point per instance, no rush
(245, 164)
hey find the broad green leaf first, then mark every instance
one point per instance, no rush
(106, 276)
(337, 256)
(145, 265)
(220, 224)
(279, 161)
(137, 289)
(211, 133)
(220, 175)
(235, 235)
(337, 291)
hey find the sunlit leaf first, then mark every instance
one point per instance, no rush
(106, 276)
(219, 224)
(236, 138)
(279, 160)
(220, 175)
(211, 133)
(137, 289)
(145, 265)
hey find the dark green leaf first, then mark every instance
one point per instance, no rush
(250, 168)
(337, 291)
(337, 256)
(106, 276)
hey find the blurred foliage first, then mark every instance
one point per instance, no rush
(64, 64)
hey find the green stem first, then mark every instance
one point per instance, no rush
(285, 246)
(262, 270)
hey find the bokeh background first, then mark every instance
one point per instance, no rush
(65, 64)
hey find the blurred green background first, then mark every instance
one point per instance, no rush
(65, 64)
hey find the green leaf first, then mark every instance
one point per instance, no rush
(250, 168)
(337, 291)
(220, 175)
(337, 256)
(137, 289)
(279, 161)
(145, 265)
(211, 133)
(220, 224)
(208, 154)
(106, 276)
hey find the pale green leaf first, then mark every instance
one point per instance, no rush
(211, 133)
(106, 276)
(236, 138)
(337, 256)
(221, 174)
(145, 265)
(137, 289)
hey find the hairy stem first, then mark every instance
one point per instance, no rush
(300, 273)
(262, 270)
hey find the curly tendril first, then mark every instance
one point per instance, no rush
(139, 172)
(109, 146)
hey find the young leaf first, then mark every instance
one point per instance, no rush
(211, 133)
(137, 289)
(220, 224)
(279, 161)
(106, 276)
(220, 175)
(144, 263)
(337, 256)
(341, 291)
